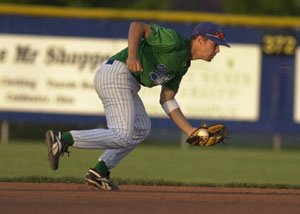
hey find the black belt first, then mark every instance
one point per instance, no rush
(110, 61)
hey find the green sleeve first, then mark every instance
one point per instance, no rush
(163, 39)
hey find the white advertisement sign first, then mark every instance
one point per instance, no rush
(297, 87)
(52, 74)
(55, 75)
(226, 88)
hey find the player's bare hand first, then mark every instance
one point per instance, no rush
(133, 64)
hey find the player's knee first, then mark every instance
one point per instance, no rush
(122, 138)
(125, 138)
(142, 134)
(147, 132)
(148, 128)
(124, 142)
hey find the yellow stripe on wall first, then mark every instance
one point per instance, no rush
(171, 16)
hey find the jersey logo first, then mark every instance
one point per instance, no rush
(160, 76)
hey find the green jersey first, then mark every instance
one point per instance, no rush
(164, 56)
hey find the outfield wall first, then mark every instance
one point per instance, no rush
(48, 57)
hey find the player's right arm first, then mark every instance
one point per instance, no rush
(137, 31)
(176, 115)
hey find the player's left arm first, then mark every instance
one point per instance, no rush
(167, 99)
(137, 31)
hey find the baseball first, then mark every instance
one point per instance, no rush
(203, 133)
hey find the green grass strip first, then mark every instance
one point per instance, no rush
(142, 182)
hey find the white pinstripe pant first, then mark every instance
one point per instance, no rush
(127, 121)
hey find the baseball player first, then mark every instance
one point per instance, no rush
(155, 56)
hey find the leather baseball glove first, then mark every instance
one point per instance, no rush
(208, 135)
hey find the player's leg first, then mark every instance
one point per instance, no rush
(142, 128)
(111, 157)
(115, 87)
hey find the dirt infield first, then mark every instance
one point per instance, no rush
(81, 198)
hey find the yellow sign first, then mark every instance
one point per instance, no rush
(279, 44)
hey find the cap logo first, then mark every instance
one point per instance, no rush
(219, 35)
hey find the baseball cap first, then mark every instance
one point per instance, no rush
(211, 31)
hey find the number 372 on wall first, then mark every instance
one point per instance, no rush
(279, 44)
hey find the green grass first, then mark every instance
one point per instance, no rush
(160, 165)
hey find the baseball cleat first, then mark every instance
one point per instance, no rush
(56, 147)
(99, 181)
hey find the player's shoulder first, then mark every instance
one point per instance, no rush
(165, 31)
(157, 28)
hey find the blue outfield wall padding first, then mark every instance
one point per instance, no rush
(96, 28)
(277, 77)
(51, 118)
(69, 119)
(63, 26)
